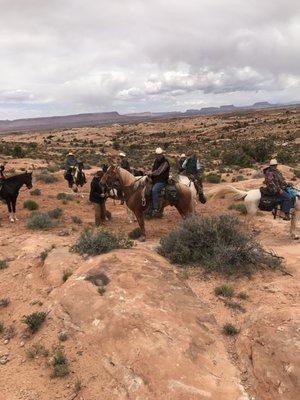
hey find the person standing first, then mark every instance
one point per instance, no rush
(193, 170)
(98, 196)
(181, 160)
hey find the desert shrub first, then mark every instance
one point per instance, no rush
(62, 336)
(213, 178)
(297, 173)
(1, 327)
(76, 220)
(135, 233)
(34, 321)
(101, 290)
(217, 244)
(35, 192)
(235, 306)
(285, 157)
(239, 178)
(66, 275)
(77, 386)
(99, 242)
(30, 205)
(18, 152)
(36, 350)
(259, 150)
(242, 296)
(39, 221)
(240, 207)
(237, 157)
(3, 264)
(224, 290)
(60, 364)
(4, 302)
(46, 178)
(55, 213)
(53, 168)
(64, 196)
(229, 329)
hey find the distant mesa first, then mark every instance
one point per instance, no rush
(113, 117)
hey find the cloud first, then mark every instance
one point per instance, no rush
(69, 56)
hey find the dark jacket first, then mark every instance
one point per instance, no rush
(125, 164)
(180, 162)
(160, 171)
(191, 166)
(2, 176)
(274, 180)
(97, 189)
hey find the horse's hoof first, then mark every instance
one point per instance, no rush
(295, 237)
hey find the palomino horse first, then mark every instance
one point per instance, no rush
(133, 189)
(10, 190)
(252, 199)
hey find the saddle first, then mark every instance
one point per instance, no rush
(169, 193)
(268, 201)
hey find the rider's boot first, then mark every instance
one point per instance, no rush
(287, 216)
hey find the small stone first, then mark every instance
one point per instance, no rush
(4, 359)
(6, 341)
(22, 344)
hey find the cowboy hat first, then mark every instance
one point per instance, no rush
(122, 154)
(182, 155)
(159, 150)
(273, 161)
(70, 153)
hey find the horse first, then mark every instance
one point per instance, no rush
(134, 193)
(75, 177)
(10, 190)
(252, 198)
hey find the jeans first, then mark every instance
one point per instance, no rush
(285, 201)
(156, 190)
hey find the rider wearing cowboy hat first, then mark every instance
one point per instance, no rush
(277, 185)
(124, 163)
(181, 160)
(71, 162)
(193, 169)
(160, 176)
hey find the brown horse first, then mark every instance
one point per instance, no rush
(134, 193)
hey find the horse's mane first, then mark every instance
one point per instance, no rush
(12, 178)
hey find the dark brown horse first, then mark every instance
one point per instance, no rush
(135, 198)
(10, 188)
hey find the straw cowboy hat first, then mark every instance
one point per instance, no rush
(159, 150)
(182, 155)
(122, 154)
(273, 162)
(70, 153)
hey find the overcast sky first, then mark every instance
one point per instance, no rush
(71, 56)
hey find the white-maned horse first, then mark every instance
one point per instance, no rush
(251, 199)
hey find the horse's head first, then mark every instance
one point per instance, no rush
(111, 176)
(28, 179)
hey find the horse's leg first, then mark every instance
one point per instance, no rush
(293, 227)
(14, 203)
(140, 218)
(9, 207)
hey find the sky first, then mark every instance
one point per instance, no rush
(61, 57)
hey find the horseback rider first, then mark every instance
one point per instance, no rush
(71, 162)
(2, 176)
(193, 170)
(160, 176)
(181, 160)
(124, 163)
(98, 196)
(277, 186)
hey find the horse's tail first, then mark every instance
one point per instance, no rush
(222, 191)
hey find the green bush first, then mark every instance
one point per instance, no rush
(46, 178)
(39, 221)
(64, 196)
(30, 205)
(55, 213)
(237, 158)
(99, 242)
(135, 233)
(35, 192)
(229, 329)
(242, 296)
(76, 220)
(240, 207)
(3, 264)
(217, 244)
(213, 178)
(285, 157)
(34, 321)
(224, 290)
(4, 302)
(297, 173)
(66, 274)
(60, 364)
